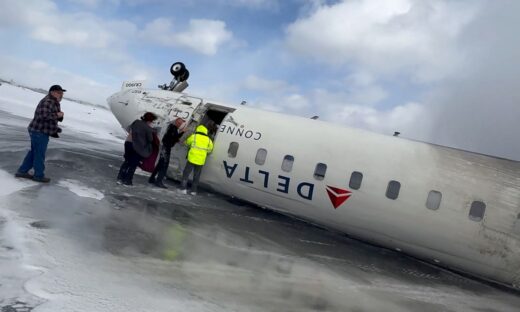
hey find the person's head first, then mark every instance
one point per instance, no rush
(201, 129)
(57, 92)
(178, 122)
(148, 117)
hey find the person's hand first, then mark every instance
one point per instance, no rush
(60, 114)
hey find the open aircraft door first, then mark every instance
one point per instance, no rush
(208, 114)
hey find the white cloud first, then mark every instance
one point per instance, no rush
(83, 31)
(40, 74)
(15, 14)
(336, 107)
(92, 4)
(45, 22)
(385, 36)
(363, 89)
(295, 103)
(202, 35)
(88, 3)
(205, 36)
(411, 119)
(461, 54)
(256, 83)
(102, 42)
(253, 4)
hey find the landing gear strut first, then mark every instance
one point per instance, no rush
(180, 76)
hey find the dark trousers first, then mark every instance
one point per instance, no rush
(197, 169)
(35, 158)
(132, 160)
(162, 165)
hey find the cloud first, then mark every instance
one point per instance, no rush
(252, 4)
(45, 22)
(100, 42)
(92, 4)
(202, 35)
(363, 89)
(385, 37)
(478, 108)
(461, 55)
(294, 102)
(16, 14)
(336, 107)
(256, 83)
(40, 74)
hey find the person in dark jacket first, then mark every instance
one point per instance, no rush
(44, 124)
(138, 146)
(172, 136)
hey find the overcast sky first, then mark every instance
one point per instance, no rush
(441, 71)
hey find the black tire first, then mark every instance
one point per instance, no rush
(184, 76)
(177, 68)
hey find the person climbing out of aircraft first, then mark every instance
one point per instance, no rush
(212, 128)
(172, 136)
(138, 145)
(44, 124)
(200, 145)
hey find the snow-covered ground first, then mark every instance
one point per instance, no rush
(94, 121)
(83, 243)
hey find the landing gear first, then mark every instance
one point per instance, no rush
(180, 76)
(179, 71)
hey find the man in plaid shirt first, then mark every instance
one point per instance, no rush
(44, 124)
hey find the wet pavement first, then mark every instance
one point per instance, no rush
(84, 243)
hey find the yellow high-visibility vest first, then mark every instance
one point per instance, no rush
(200, 146)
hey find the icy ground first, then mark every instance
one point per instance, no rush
(83, 243)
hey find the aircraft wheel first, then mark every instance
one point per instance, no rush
(184, 76)
(177, 69)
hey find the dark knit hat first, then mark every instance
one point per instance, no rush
(148, 117)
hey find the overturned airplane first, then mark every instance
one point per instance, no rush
(453, 208)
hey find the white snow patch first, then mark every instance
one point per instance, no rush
(97, 122)
(79, 189)
(9, 184)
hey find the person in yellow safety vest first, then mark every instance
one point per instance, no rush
(200, 145)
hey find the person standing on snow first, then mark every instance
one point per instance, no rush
(44, 124)
(138, 146)
(200, 145)
(172, 136)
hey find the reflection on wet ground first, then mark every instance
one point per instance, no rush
(147, 243)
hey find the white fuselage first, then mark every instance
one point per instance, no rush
(458, 234)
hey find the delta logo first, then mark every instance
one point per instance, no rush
(337, 195)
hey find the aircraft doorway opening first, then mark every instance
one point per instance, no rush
(209, 115)
(213, 118)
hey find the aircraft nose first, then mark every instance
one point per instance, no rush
(123, 107)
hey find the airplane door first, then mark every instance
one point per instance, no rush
(184, 107)
(211, 115)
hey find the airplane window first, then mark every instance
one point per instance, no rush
(319, 172)
(261, 154)
(476, 212)
(434, 200)
(392, 191)
(287, 163)
(355, 180)
(232, 150)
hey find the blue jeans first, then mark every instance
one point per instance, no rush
(35, 158)
(197, 169)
